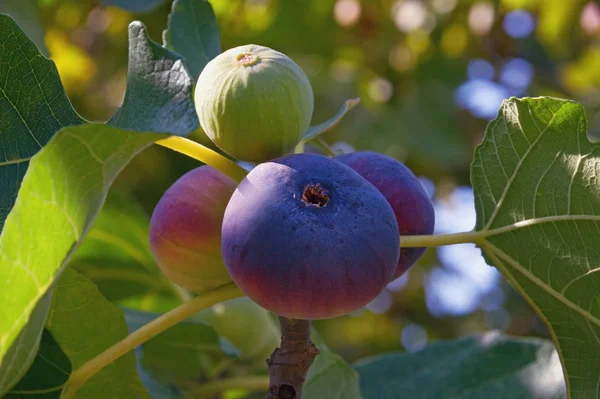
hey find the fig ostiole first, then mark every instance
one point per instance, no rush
(185, 229)
(413, 210)
(307, 237)
(254, 102)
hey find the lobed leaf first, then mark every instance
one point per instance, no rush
(159, 89)
(33, 107)
(193, 32)
(537, 197)
(25, 14)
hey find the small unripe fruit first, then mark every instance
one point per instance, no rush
(254, 102)
(306, 237)
(185, 229)
(246, 325)
(398, 184)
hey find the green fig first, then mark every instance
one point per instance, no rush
(246, 325)
(254, 103)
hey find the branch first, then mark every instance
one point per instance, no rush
(289, 364)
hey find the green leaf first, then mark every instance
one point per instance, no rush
(159, 89)
(62, 193)
(116, 256)
(20, 356)
(490, 366)
(85, 324)
(33, 105)
(25, 14)
(330, 376)
(537, 197)
(186, 351)
(317, 130)
(48, 373)
(134, 5)
(193, 32)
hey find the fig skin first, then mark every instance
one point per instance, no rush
(398, 184)
(246, 325)
(185, 229)
(254, 103)
(306, 237)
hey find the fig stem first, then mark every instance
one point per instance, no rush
(319, 142)
(204, 155)
(439, 240)
(289, 364)
(80, 375)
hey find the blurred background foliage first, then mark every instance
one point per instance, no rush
(430, 74)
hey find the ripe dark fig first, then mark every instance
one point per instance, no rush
(185, 229)
(254, 102)
(398, 184)
(306, 237)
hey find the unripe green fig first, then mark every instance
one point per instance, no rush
(254, 103)
(246, 325)
(185, 229)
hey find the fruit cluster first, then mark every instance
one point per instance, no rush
(303, 235)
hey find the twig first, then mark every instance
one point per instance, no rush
(289, 364)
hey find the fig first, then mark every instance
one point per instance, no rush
(246, 325)
(398, 184)
(307, 237)
(254, 102)
(185, 229)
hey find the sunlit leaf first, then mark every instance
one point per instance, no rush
(62, 193)
(537, 197)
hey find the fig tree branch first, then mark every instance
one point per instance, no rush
(289, 364)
